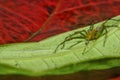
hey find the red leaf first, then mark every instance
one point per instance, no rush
(34, 20)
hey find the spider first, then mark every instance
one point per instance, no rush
(93, 33)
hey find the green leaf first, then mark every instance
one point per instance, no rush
(37, 58)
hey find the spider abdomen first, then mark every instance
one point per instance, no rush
(91, 35)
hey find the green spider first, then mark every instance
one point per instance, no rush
(93, 33)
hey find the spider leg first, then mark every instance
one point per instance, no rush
(82, 35)
(69, 39)
(105, 36)
(74, 44)
(86, 43)
(113, 26)
(91, 26)
(80, 32)
(105, 28)
(63, 43)
(75, 33)
(109, 20)
(106, 22)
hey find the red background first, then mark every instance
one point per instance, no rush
(34, 20)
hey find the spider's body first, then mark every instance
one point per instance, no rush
(93, 33)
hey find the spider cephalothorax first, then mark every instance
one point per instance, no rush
(93, 33)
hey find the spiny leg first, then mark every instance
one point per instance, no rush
(105, 22)
(109, 20)
(106, 32)
(75, 33)
(106, 26)
(67, 38)
(113, 24)
(86, 44)
(63, 43)
(106, 29)
(105, 36)
(80, 32)
(75, 44)
(91, 27)
(58, 47)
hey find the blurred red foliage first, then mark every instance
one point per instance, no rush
(34, 20)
